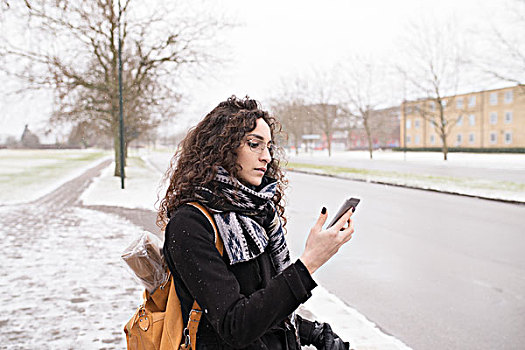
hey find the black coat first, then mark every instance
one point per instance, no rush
(244, 305)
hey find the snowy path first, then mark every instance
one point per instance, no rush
(62, 286)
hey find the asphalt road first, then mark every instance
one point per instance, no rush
(437, 271)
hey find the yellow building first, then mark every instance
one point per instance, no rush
(484, 119)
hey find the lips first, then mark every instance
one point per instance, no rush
(262, 170)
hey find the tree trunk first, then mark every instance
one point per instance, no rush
(445, 146)
(329, 144)
(328, 133)
(297, 143)
(116, 147)
(443, 130)
(368, 136)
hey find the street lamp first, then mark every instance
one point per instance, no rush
(121, 107)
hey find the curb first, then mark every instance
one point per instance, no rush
(502, 200)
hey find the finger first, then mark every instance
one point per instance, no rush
(347, 234)
(348, 231)
(343, 219)
(350, 228)
(321, 219)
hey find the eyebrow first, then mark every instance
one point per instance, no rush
(259, 137)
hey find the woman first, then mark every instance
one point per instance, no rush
(229, 164)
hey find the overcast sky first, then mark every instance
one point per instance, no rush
(282, 39)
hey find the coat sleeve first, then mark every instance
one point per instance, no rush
(238, 319)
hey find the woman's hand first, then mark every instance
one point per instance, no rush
(321, 244)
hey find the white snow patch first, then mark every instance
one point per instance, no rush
(67, 278)
(349, 324)
(140, 188)
(478, 187)
(474, 160)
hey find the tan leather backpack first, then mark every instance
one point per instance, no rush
(157, 324)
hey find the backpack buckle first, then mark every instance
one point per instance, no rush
(187, 340)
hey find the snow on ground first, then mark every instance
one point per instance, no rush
(29, 174)
(478, 187)
(63, 285)
(348, 323)
(481, 188)
(475, 160)
(141, 186)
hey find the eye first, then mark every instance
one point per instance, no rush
(253, 144)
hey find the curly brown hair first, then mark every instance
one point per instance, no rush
(212, 143)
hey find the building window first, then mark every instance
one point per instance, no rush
(509, 97)
(432, 139)
(444, 103)
(493, 137)
(459, 139)
(493, 100)
(472, 101)
(408, 123)
(432, 106)
(493, 118)
(508, 137)
(416, 123)
(408, 139)
(472, 119)
(471, 137)
(416, 140)
(409, 109)
(508, 117)
(460, 120)
(459, 103)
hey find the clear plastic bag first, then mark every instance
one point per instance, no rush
(144, 259)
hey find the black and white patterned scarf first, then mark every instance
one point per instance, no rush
(246, 218)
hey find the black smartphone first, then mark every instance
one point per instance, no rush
(349, 203)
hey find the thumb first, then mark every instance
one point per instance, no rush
(322, 219)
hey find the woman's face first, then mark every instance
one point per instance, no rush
(253, 155)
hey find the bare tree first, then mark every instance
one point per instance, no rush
(433, 63)
(442, 113)
(364, 90)
(290, 109)
(293, 116)
(506, 48)
(74, 52)
(385, 124)
(321, 95)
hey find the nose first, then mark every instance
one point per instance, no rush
(265, 155)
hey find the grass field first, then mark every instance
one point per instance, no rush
(27, 174)
(477, 187)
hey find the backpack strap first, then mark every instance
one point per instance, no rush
(190, 332)
(218, 241)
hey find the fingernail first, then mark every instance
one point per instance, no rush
(323, 211)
